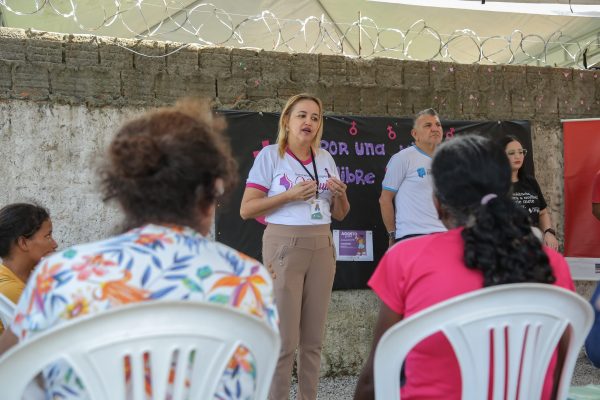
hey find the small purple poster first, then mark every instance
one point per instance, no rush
(353, 245)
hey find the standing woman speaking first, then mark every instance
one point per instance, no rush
(294, 184)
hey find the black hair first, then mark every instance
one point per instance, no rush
(19, 220)
(504, 142)
(497, 235)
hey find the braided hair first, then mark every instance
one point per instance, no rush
(497, 235)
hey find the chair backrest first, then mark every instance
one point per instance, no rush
(7, 310)
(199, 337)
(522, 323)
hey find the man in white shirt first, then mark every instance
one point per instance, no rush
(406, 197)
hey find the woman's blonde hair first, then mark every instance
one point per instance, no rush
(282, 135)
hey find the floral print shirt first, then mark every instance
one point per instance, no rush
(148, 263)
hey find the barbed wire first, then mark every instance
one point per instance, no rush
(207, 25)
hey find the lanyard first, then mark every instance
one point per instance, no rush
(314, 178)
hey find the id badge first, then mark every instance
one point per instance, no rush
(315, 209)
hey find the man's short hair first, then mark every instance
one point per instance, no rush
(427, 111)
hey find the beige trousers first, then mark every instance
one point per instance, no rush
(303, 260)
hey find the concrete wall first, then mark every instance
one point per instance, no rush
(62, 97)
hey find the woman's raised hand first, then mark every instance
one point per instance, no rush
(336, 186)
(303, 191)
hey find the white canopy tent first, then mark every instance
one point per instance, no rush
(539, 32)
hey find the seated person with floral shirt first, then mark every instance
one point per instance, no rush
(166, 169)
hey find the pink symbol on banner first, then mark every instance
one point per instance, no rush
(450, 133)
(264, 143)
(353, 129)
(391, 133)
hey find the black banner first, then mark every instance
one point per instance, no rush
(361, 148)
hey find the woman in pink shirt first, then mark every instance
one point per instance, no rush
(489, 242)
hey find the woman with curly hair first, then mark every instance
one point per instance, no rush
(165, 169)
(489, 242)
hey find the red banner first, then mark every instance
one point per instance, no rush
(582, 161)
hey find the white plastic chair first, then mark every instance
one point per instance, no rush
(535, 315)
(96, 347)
(7, 310)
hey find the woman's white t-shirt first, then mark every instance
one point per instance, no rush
(274, 175)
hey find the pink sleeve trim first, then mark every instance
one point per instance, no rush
(257, 186)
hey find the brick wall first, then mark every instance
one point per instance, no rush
(101, 72)
(98, 71)
(62, 97)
